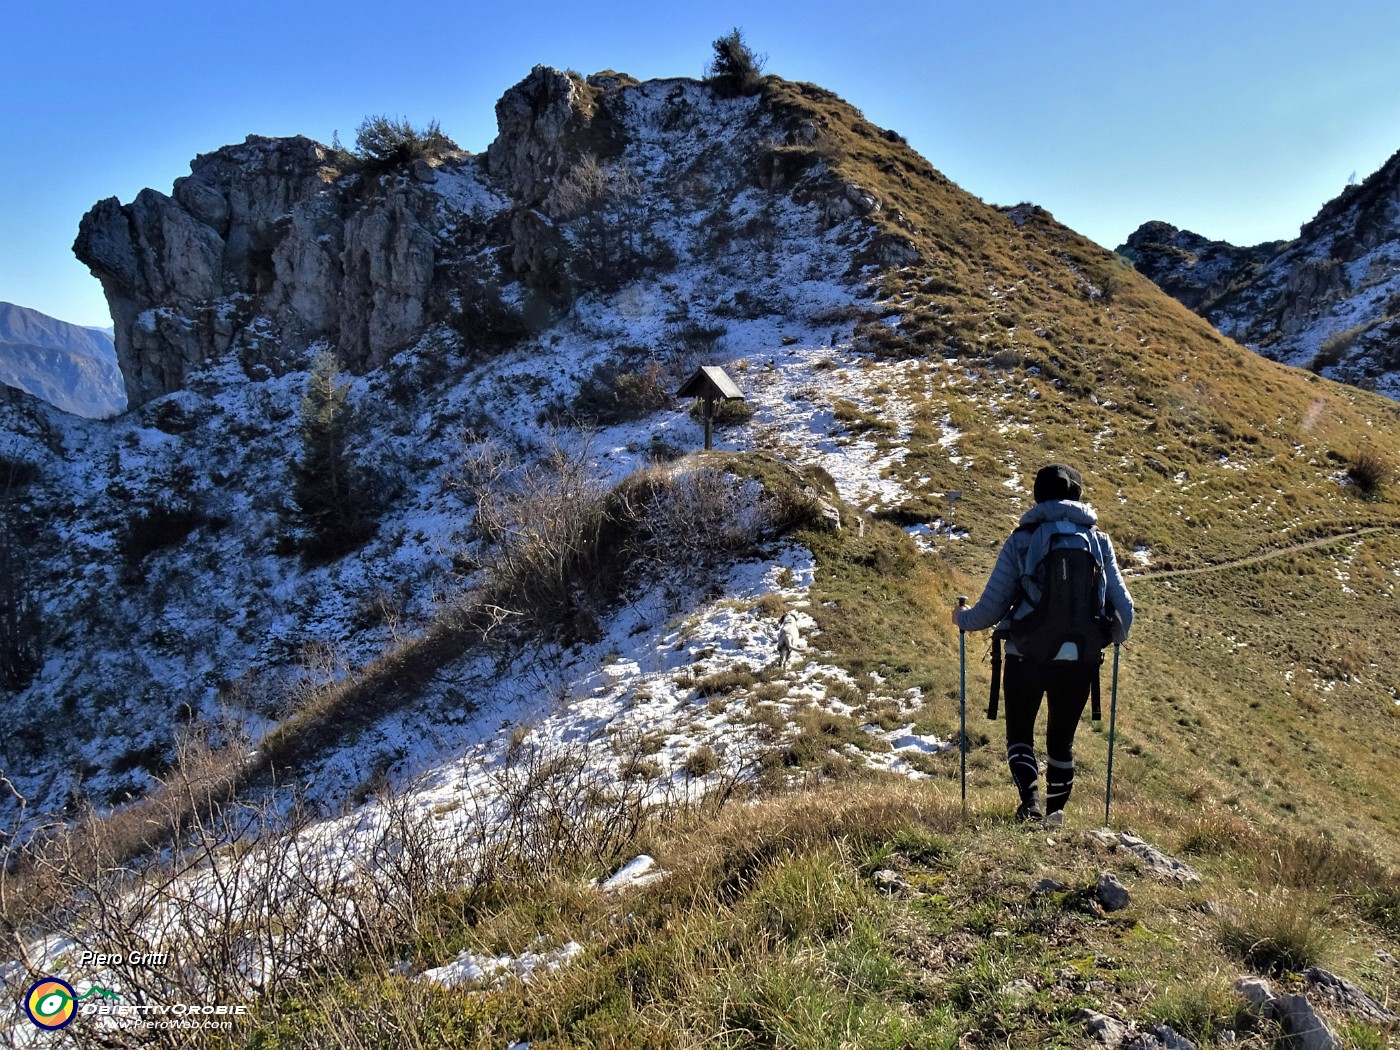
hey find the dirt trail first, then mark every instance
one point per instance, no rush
(1256, 558)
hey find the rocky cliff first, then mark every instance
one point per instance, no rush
(275, 246)
(272, 246)
(1328, 300)
(263, 250)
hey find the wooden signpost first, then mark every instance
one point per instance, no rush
(712, 384)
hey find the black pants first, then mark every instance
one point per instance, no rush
(1066, 686)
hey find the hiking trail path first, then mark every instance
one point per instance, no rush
(1254, 559)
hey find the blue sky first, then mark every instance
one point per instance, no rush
(1235, 119)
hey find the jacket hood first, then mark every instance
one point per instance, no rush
(1061, 510)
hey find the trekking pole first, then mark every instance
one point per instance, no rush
(962, 703)
(1112, 725)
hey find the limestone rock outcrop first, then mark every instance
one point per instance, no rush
(275, 245)
(1328, 300)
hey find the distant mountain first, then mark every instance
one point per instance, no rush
(1328, 300)
(70, 366)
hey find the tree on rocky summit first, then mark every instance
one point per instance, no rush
(736, 69)
(386, 142)
(330, 507)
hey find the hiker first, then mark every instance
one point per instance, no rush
(1048, 656)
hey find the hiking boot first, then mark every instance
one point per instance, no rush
(1030, 808)
(1055, 818)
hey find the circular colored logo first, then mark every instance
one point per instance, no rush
(50, 1003)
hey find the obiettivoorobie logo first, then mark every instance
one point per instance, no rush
(52, 1003)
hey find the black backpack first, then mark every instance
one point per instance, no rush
(1064, 597)
(1063, 594)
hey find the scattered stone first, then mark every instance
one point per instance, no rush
(1050, 886)
(1018, 991)
(891, 882)
(1110, 1032)
(1346, 996)
(1384, 957)
(1256, 991)
(1107, 1031)
(1160, 864)
(1159, 1037)
(1112, 894)
(1299, 1021)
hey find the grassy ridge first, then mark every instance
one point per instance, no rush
(781, 925)
(1269, 688)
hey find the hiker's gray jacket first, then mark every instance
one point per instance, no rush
(1003, 589)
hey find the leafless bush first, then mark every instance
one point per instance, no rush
(1370, 471)
(601, 200)
(542, 524)
(686, 518)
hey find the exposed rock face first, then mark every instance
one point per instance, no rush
(537, 119)
(184, 273)
(1329, 300)
(275, 246)
(263, 250)
(271, 246)
(1189, 267)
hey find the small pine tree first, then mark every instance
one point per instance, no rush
(736, 69)
(386, 142)
(330, 508)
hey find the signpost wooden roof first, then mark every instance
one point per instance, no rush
(710, 383)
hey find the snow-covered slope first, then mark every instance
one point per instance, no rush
(69, 366)
(171, 595)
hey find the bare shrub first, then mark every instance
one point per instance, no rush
(602, 203)
(543, 524)
(686, 517)
(1370, 472)
(617, 393)
(558, 547)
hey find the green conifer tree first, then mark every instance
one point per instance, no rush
(735, 69)
(326, 488)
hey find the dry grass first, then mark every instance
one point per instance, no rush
(769, 930)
